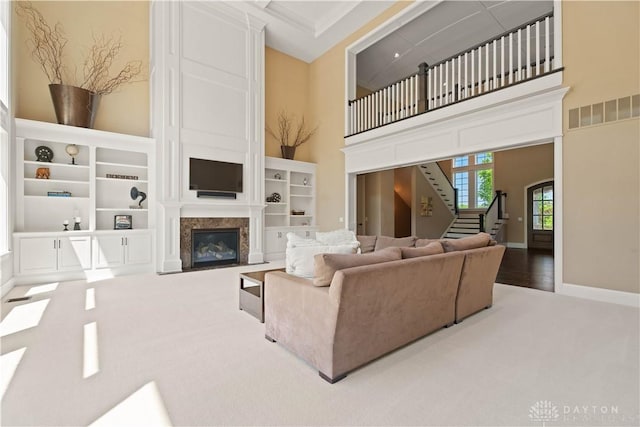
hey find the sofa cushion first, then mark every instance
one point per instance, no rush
(479, 240)
(432, 248)
(295, 241)
(299, 260)
(337, 237)
(325, 265)
(402, 242)
(367, 243)
(424, 242)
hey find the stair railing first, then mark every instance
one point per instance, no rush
(520, 54)
(494, 212)
(440, 182)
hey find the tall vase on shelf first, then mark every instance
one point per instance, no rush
(74, 105)
(288, 151)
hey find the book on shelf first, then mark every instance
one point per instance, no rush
(58, 194)
(118, 176)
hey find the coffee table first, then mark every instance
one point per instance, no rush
(251, 298)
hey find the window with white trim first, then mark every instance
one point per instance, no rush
(473, 177)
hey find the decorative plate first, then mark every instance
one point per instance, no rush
(44, 154)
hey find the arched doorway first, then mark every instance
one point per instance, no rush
(540, 216)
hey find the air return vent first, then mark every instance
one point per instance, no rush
(605, 112)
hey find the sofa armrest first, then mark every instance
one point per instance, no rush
(301, 317)
(479, 272)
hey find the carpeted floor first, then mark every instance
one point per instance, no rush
(175, 349)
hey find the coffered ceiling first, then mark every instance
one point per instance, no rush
(307, 29)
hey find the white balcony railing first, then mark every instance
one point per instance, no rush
(518, 55)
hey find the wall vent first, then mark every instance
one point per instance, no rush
(605, 112)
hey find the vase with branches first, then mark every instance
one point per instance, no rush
(75, 100)
(290, 135)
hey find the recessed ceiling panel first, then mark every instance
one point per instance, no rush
(515, 13)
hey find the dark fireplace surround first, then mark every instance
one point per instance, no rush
(187, 225)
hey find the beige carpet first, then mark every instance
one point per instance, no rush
(175, 349)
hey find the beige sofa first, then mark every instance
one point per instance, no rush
(370, 310)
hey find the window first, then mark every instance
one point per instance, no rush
(543, 208)
(473, 177)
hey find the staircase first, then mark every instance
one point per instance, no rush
(441, 184)
(462, 226)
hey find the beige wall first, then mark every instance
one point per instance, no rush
(327, 105)
(124, 111)
(601, 162)
(286, 88)
(514, 170)
(379, 203)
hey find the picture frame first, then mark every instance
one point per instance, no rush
(122, 222)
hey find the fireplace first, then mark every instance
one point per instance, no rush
(213, 247)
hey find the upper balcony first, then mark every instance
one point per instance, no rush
(521, 55)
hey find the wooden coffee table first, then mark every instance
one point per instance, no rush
(252, 297)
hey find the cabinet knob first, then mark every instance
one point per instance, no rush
(279, 234)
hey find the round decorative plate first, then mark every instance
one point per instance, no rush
(44, 154)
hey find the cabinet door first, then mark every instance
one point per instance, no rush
(138, 249)
(38, 254)
(109, 251)
(275, 244)
(74, 253)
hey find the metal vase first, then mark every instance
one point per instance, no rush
(288, 151)
(74, 106)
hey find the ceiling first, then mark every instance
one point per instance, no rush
(307, 29)
(447, 29)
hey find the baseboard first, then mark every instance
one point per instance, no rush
(516, 245)
(256, 258)
(6, 287)
(171, 266)
(600, 294)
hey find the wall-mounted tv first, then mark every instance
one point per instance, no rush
(212, 175)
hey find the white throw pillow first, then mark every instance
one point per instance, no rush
(337, 237)
(295, 241)
(299, 260)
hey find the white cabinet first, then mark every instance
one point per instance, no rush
(120, 249)
(53, 253)
(96, 185)
(290, 203)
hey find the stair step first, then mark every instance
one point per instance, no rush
(468, 220)
(466, 226)
(457, 235)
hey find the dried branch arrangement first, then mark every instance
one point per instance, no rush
(285, 125)
(47, 49)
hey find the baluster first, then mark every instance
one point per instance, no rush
(486, 68)
(510, 58)
(528, 64)
(538, 48)
(473, 80)
(519, 75)
(403, 91)
(466, 74)
(547, 63)
(446, 83)
(357, 117)
(385, 110)
(440, 82)
(429, 91)
(414, 95)
(397, 98)
(480, 69)
(495, 60)
(502, 69)
(459, 83)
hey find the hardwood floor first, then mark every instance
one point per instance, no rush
(529, 268)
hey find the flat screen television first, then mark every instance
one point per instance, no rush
(212, 175)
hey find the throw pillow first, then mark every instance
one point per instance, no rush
(367, 243)
(432, 248)
(325, 265)
(295, 241)
(479, 240)
(402, 242)
(299, 260)
(336, 237)
(424, 242)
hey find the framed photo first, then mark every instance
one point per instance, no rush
(122, 222)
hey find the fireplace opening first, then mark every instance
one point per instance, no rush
(213, 247)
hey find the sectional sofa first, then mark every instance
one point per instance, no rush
(359, 307)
